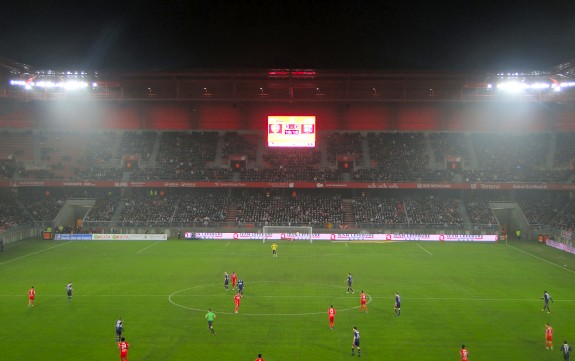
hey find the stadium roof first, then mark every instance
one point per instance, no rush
(289, 85)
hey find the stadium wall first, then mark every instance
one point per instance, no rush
(480, 117)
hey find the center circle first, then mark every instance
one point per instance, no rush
(253, 291)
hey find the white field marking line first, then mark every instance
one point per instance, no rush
(542, 259)
(264, 314)
(227, 244)
(431, 254)
(300, 296)
(150, 246)
(33, 253)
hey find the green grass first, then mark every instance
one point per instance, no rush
(484, 295)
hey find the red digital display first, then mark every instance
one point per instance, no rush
(291, 131)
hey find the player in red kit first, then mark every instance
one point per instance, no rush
(331, 314)
(123, 346)
(234, 279)
(363, 302)
(464, 353)
(31, 296)
(237, 299)
(259, 357)
(548, 336)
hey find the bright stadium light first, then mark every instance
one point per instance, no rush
(512, 86)
(75, 85)
(540, 86)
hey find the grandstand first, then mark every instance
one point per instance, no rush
(390, 154)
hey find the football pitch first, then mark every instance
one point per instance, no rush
(486, 296)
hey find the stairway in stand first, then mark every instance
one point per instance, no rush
(348, 217)
(231, 213)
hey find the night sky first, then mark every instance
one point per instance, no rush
(451, 35)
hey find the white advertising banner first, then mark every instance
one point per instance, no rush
(130, 237)
(354, 237)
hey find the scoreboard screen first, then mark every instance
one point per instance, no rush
(291, 131)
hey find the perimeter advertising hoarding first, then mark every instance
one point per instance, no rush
(354, 237)
(111, 237)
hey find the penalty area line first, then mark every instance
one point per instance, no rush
(145, 248)
(418, 245)
(33, 253)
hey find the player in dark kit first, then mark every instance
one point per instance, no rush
(69, 291)
(355, 344)
(546, 298)
(241, 286)
(119, 330)
(566, 350)
(226, 280)
(349, 283)
(397, 305)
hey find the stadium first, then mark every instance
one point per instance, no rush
(409, 157)
(129, 196)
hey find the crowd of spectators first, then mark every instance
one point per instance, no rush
(185, 156)
(432, 208)
(292, 158)
(509, 157)
(145, 207)
(137, 143)
(12, 214)
(101, 147)
(402, 175)
(106, 203)
(100, 173)
(565, 220)
(181, 174)
(240, 144)
(290, 174)
(43, 204)
(518, 174)
(394, 157)
(397, 156)
(201, 206)
(344, 144)
(564, 151)
(9, 167)
(289, 208)
(284, 206)
(449, 144)
(479, 212)
(379, 209)
(542, 208)
(187, 150)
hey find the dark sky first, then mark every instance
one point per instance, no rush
(450, 35)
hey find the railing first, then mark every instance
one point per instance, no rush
(22, 231)
(120, 227)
